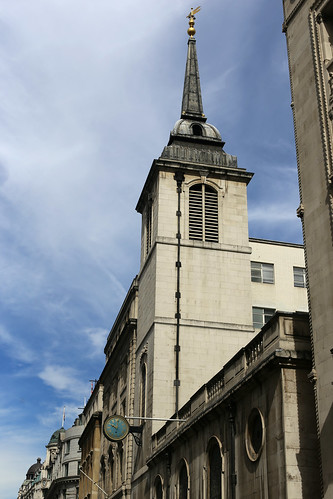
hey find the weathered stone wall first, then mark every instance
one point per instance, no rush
(308, 26)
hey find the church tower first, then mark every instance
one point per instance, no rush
(194, 309)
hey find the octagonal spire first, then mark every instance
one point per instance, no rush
(192, 102)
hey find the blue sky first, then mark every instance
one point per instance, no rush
(89, 94)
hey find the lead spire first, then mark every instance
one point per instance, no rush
(192, 103)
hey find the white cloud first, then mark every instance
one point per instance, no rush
(63, 379)
(97, 338)
(53, 418)
(88, 97)
(274, 213)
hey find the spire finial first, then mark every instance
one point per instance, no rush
(191, 30)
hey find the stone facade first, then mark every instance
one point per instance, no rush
(62, 465)
(58, 476)
(90, 443)
(259, 410)
(308, 27)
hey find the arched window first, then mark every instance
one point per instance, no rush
(143, 385)
(197, 130)
(183, 481)
(158, 488)
(203, 213)
(214, 471)
(149, 221)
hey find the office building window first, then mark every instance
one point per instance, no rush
(262, 272)
(203, 213)
(261, 316)
(299, 277)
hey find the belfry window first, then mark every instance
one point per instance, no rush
(203, 213)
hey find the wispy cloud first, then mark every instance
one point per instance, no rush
(81, 119)
(16, 349)
(62, 378)
(97, 338)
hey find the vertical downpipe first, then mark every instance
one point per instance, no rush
(232, 468)
(179, 178)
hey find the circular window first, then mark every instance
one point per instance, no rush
(254, 434)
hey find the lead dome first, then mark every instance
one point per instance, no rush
(190, 127)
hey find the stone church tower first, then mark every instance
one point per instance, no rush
(199, 358)
(194, 309)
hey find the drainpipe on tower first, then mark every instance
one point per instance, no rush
(179, 178)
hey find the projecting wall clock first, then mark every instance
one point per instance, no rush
(115, 428)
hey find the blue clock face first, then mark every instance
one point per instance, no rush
(115, 428)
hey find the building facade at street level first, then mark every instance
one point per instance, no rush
(58, 476)
(213, 332)
(308, 25)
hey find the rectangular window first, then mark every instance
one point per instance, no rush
(66, 469)
(261, 316)
(262, 272)
(299, 277)
(67, 446)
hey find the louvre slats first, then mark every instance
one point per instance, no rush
(195, 215)
(203, 213)
(211, 216)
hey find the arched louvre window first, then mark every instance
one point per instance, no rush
(215, 471)
(203, 213)
(183, 481)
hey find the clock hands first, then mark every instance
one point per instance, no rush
(115, 428)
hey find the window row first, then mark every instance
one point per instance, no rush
(264, 272)
(214, 476)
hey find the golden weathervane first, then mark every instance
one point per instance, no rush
(191, 30)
